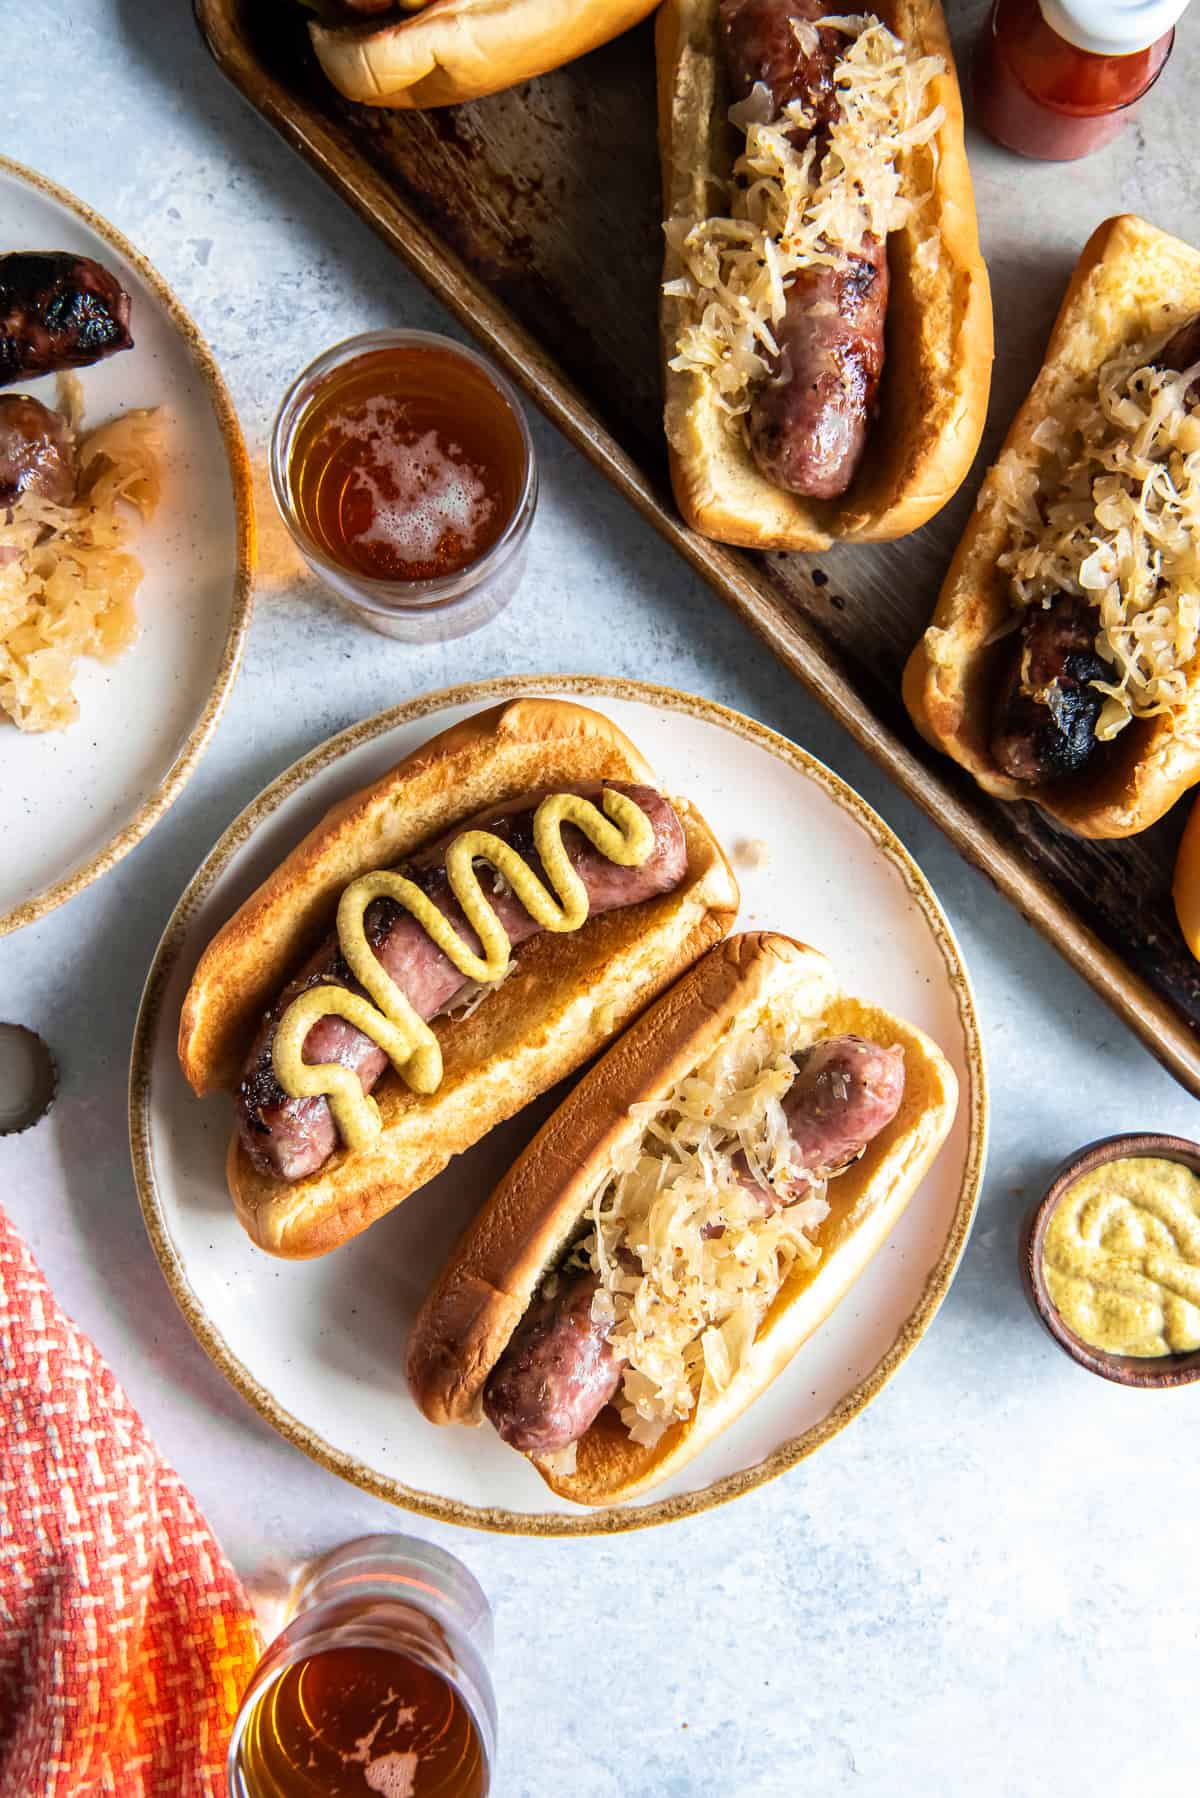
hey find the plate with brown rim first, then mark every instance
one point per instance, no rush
(74, 801)
(318, 1347)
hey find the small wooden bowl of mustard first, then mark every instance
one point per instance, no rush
(1110, 1259)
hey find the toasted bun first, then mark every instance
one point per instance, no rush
(1131, 281)
(934, 391)
(457, 50)
(495, 1269)
(568, 996)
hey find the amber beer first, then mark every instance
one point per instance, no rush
(403, 468)
(378, 1685)
(407, 463)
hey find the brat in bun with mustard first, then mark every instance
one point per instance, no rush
(818, 208)
(683, 1222)
(443, 947)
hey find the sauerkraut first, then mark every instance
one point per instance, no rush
(688, 1261)
(795, 208)
(67, 575)
(1111, 514)
(471, 996)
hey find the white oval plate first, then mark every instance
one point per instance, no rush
(73, 802)
(318, 1346)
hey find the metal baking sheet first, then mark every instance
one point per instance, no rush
(535, 216)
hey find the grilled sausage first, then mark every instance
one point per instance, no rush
(1046, 711)
(808, 425)
(845, 1092)
(37, 451)
(559, 1371)
(292, 1138)
(808, 422)
(58, 311)
(759, 43)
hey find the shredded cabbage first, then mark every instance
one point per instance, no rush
(67, 577)
(470, 997)
(563, 1461)
(788, 211)
(1113, 516)
(688, 1261)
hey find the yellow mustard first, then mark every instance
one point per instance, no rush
(391, 1023)
(1122, 1257)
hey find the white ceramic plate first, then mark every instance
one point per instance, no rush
(73, 802)
(318, 1346)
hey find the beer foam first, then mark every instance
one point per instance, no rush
(393, 1775)
(418, 489)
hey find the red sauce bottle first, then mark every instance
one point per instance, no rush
(1056, 79)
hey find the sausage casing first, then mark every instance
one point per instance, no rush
(292, 1138)
(1046, 710)
(556, 1375)
(808, 421)
(37, 451)
(58, 311)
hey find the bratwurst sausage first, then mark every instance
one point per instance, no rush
(559, 1371)
(556, 1375)
(58, 311)
(760, 43)
(291, 1138)
(37, 452)
(808, 422)
(808, 425)
(1046, 709)
(845, 1092)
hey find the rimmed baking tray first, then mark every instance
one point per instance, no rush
(534, 215)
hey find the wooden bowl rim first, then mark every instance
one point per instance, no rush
(1158, 1371)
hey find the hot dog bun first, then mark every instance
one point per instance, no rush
(457, 50)
(568, 996)
(934, 390)
(496, 1267)
(1131, 281)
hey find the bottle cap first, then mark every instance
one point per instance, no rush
(28, 1078)
(1112, 27)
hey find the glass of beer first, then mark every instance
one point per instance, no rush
(378, 1685)
(403, 468)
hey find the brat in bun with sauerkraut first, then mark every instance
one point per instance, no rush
(684, 1221)
(818, 212)
(1063, 661)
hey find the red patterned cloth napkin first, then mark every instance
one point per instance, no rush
(126, 1638)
